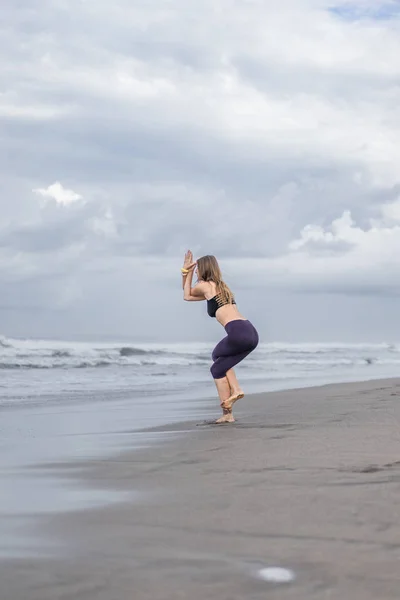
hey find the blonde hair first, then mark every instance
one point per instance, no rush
(208, 270)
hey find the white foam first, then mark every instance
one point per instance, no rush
(276, 575)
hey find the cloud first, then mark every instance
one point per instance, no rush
(59, 194)
(342, 257)
(342, 231)
(265, 133)
(378, 242)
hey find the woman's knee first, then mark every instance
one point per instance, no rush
(217, 371)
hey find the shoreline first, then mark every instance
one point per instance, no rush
(306, 480)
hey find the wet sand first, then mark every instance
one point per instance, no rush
(306, 480)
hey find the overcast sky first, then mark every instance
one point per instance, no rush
(265, 132)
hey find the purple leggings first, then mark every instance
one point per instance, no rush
(242, 339)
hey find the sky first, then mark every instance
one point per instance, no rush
(265, 132)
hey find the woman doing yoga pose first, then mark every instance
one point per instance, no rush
(241, 338)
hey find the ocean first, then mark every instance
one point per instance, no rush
(33, 371)
(63, 402)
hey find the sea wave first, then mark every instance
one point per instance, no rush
(4, 342)
(129, 351)
(56, 354)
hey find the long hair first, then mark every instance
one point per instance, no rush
(208, 270)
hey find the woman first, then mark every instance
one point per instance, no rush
(242, 337)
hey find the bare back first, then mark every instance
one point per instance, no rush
(226, 313)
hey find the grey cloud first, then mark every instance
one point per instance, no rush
(282, 79)
(246, 197)
(45, 237)
(328, 248)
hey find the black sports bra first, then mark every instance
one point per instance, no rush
(215, 303)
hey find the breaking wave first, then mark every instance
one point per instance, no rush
(44, 354)
(49, 354)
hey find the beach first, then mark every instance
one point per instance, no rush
(306, 481)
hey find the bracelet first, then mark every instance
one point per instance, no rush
(184, 271)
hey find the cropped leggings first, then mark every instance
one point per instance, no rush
(241, 339)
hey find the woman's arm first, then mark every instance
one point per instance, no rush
(184, 276)
(193, 294)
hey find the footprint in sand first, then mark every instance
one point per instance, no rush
(276, 575)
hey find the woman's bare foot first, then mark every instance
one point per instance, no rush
(229, 418)
(237, 395)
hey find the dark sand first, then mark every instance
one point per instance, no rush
(307, 480)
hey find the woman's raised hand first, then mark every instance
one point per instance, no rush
(188, 259)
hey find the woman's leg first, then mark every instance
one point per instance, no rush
(236, 391)
(224, 393)
(233, 383)
(241, 340)
(224, 364)
(222, 383)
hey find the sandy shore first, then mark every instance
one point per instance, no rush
(306, 480)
